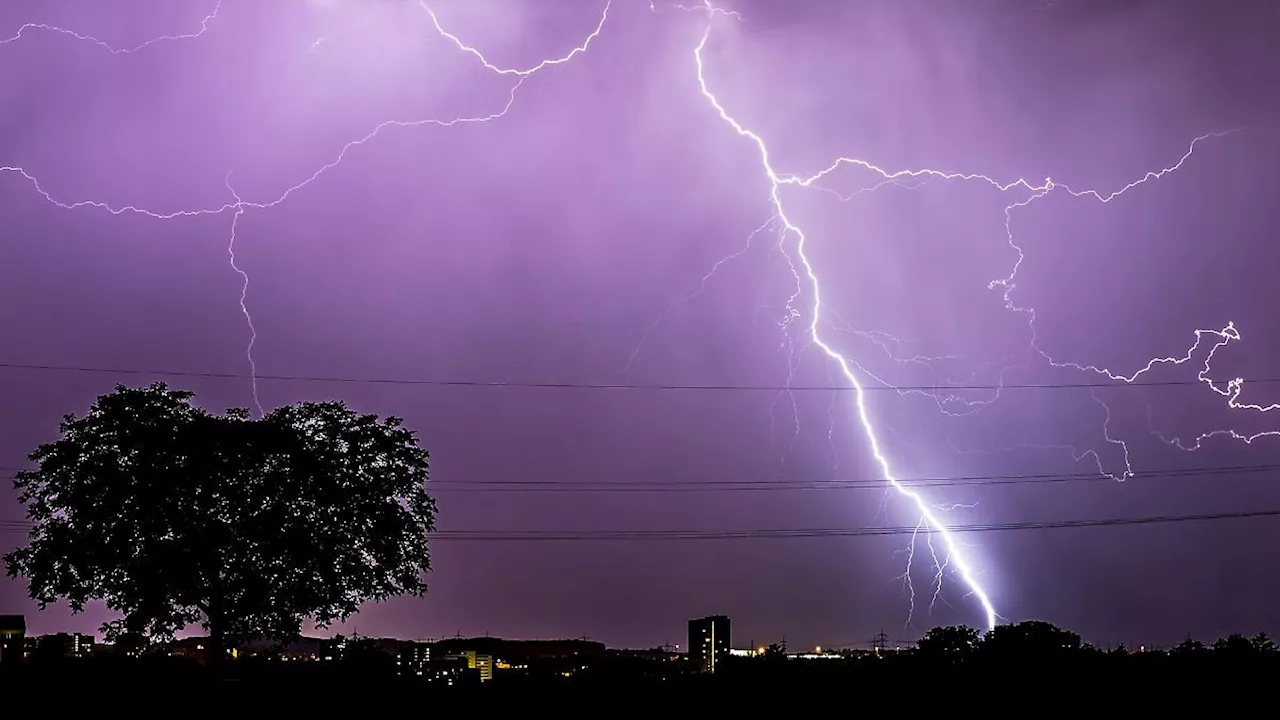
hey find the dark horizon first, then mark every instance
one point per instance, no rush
(736, 643)
(547, 283)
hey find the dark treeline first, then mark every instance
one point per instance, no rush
(1028, 667)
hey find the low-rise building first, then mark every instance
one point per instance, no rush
(414, 659)
(481, 663)
(13, 635)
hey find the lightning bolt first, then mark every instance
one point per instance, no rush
(114, 50)
(244, 293)
(604, 17)
(856, 375)
(928, 515)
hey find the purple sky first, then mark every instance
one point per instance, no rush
(562, 242)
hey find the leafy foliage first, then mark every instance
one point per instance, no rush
(1030, 638)
(953, 641)
(173, 515)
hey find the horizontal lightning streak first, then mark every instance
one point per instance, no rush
(1035, 191)
(586, 44)
(204, 27)
(520, 74)
(240, 205)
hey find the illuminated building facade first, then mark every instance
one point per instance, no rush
(709, 642)
(413, 659)
(81, 644)
(333, 648)
(483, 664)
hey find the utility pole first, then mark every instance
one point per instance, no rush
(879, 642)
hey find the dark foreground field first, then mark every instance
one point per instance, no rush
(165, 688)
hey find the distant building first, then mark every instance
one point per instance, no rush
(13, 633)
(130, 645)
(449, 671)
(333, 648)
(192, 648)
(414, 659)
(526, 657)
(482, 664)
(82, 645)
(709, 642)
(59, 645)
(522, 652)
(299, 649)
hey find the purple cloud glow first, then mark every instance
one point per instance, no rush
(959, 210)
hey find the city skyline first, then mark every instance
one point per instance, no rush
(548, 241)
(702, 634)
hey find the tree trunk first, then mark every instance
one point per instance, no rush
(226, 688)
(217, 643)
(217, 628)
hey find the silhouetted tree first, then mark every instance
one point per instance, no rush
(173, 515)
(1233, 647)
(1032, 638)
(1189, 648)
(953, 641)
(774, 652)
(366, 656)
(1263, 645)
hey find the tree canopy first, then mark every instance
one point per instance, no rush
(174, 516)
(951, 641)
(1029, 638)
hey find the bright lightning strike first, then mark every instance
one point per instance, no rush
(929, 517)
(855, 374)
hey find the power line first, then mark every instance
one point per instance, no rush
(834, 484)
(598, 386)
(635, 486)
(18, 526)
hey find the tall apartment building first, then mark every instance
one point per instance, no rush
(709, 642)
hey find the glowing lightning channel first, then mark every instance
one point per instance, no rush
(1007, 284)
(244, 293)
(702, 287)
(927, 513)
(240, 205)
(586, 44)
(520, 74)
(204, 27)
